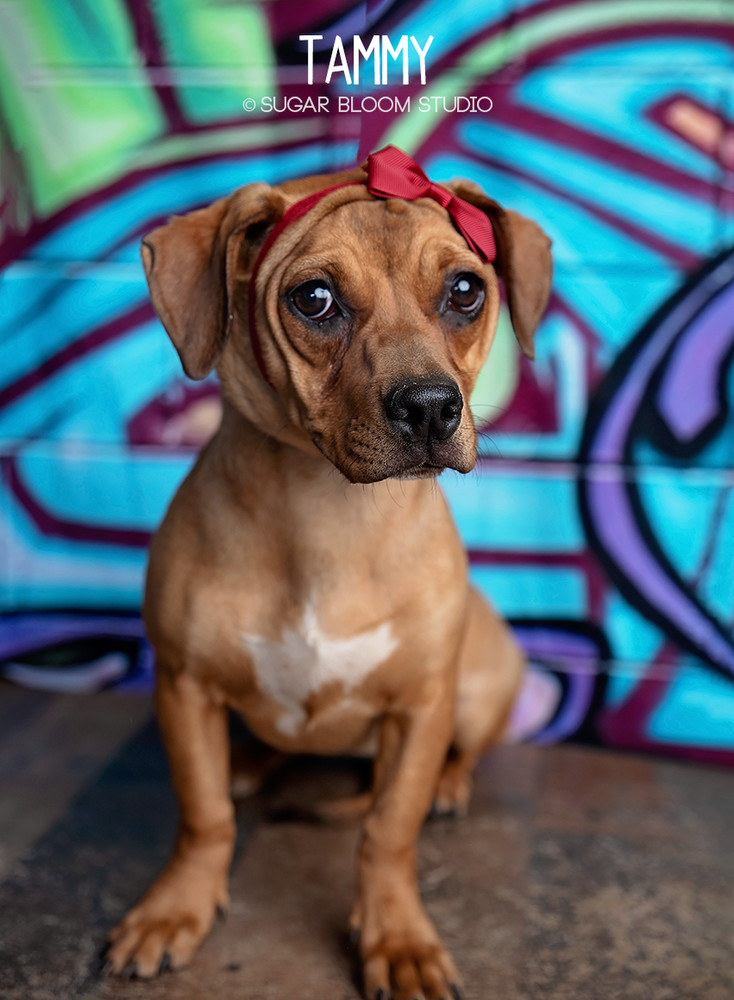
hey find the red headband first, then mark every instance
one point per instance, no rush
(390, 174)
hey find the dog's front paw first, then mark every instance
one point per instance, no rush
(409, 970)
(166, 927)
(403, 959)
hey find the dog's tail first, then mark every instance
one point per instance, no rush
(346, 811)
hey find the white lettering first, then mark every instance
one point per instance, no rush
(337, 51)
(379, 50)
(310, 39)
(365, 53)
(421, 55)
(402, 47)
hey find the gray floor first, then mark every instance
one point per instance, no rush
(579, 874)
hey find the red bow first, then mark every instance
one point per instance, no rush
(392, 174)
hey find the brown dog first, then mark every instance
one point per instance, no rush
(332, 616)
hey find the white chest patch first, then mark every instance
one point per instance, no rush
(305, 659)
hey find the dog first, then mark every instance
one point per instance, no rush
(293, 580)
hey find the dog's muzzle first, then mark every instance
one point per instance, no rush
(424, 411)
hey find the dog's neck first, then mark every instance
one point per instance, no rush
(262, 442)
(250, 456)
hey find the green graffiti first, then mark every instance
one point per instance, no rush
(79, 106)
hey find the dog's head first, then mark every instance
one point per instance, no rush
(369, 323)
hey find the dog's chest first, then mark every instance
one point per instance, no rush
(306, 662)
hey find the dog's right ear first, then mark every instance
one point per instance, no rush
(190, 264)
(524, 261)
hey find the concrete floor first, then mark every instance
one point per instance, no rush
(579, 874)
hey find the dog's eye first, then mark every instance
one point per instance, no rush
(314, 300)
(467, 293)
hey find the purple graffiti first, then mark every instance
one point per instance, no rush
(700, 315)
(694, 371)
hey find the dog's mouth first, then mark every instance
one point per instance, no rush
(429, 466)
(426, 471)
(390, 461)
(428, 460)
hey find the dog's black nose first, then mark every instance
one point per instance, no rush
(426, 409)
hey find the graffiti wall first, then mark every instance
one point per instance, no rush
(601, 515)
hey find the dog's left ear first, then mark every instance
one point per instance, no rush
(191, 263)
(524, 262)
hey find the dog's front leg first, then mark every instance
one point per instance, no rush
(177, 912)
(402, 955)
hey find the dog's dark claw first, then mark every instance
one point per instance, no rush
(456, 991)
(105, 967)
(221, 914)
(354, 934)
(130, 970)
(165, 963)
(382, 995)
